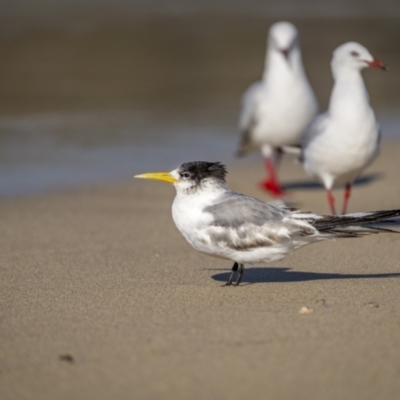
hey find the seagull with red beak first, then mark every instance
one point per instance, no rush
(276, 110)
(342, 142)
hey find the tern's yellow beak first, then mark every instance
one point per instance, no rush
(158, 176)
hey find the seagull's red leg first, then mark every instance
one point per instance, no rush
(331, 201)
(271, 184)
(347, 192)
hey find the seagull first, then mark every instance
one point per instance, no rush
(339, 144)
(245, 230)
(276, 110)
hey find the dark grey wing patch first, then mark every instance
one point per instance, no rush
(316, 127)
(246, 143)
(249, 117)
(301, 157)
(378, 141)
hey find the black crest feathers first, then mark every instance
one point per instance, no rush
(199, 170)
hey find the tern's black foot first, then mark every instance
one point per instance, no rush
(241, 272)
(234, 270)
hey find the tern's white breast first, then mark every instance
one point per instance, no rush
(190, 218)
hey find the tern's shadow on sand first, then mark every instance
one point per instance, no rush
(315, 185)
(274, 275)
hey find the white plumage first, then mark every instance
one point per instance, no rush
(276, 110)
(342, 142)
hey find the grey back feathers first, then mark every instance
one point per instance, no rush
(235, 209)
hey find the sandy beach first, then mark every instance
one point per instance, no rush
(100, 295)
(101, 298)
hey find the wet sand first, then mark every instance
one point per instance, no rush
(102, 298)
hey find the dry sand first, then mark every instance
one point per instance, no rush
(101, 298)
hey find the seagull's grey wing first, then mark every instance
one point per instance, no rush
(245, 223)
(249, 116)
(316, 127)
(378, 127)
(249, 104)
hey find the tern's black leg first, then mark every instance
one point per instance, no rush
(241, 271)
(234, 270)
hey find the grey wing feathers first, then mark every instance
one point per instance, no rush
(316, 127)
(378, 141)
(248, 117)
(243, 223)
(234, 210)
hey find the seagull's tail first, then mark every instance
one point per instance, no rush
(358, 224)
(293, 149)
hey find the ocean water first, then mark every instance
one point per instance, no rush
(37, 155)
(46, 152)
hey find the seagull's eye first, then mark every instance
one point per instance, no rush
(355, 54)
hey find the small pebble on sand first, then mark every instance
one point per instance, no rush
(306, 310)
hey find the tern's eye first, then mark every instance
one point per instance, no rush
(355, 54)
(185, 175)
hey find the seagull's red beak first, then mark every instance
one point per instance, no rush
(377, 64)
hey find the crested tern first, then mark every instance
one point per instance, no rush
(341, 143)
(245, 230)
(276, 110)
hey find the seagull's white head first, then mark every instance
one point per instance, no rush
(354, 56)
(192, 176)
(283, 38)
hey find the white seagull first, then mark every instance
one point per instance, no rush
(342, 142)
(276, 110)
(230, 225)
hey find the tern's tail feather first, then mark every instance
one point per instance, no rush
(358, 224)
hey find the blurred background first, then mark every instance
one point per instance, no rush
(96, 90)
